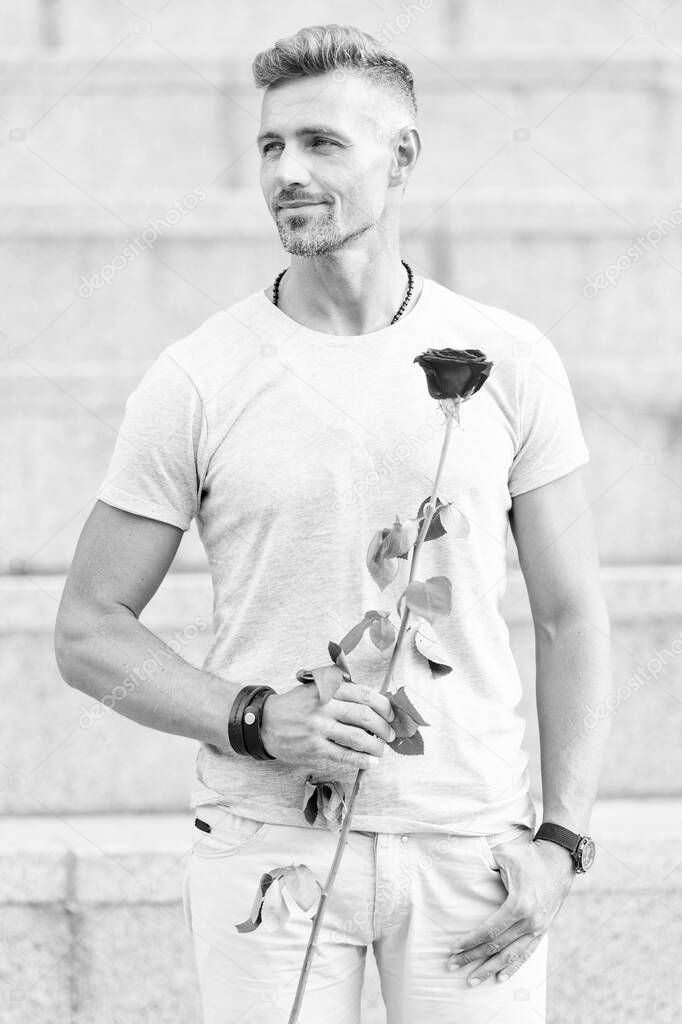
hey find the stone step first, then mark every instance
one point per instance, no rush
(59, 430)
(88, 758)
(478, 26)
(73, 361)
(136, 120)
(75, 297)
(81, 28)
(77, 888)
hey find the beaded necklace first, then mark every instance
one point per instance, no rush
(405, 302)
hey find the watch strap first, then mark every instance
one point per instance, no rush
(559, 834)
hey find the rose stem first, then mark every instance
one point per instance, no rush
(340, 846)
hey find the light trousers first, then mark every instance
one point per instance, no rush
(410, 896)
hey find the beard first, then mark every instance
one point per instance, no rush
(311, 234)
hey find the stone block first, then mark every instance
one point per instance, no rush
(35, 946)
(85, 756)
(491, 26)
(237, 35)
(116, 952)
(21, 28)
(63, 447)
(33, 870)
(134, 962)
(643, 707)
(597, 949)
(522, 124)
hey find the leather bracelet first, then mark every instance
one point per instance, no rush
(243, 727)
(252, 718)
(234, 724)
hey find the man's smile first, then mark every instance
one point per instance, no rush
(298, 206)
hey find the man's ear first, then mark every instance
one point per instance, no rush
(406, 150)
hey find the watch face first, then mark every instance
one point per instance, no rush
(586, 852)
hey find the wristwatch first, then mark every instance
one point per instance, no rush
(581, 848)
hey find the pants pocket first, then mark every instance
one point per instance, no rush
(517, 833)
(219, 831)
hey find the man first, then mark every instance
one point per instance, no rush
(293, 426)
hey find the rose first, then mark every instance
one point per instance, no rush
(454, 373)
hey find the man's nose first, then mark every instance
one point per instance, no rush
(290, 171)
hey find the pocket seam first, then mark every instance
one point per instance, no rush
(234, 840)
(488, 856)
(186, 897)
(489, 849)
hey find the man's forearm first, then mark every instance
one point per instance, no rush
(573, 670)
(119, 662)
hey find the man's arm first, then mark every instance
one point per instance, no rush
(554, 534)
(558, 556)
(103, 650)
(100, 646)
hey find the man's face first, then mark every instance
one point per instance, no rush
(342, 172)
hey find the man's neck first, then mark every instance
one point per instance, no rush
(352, 307)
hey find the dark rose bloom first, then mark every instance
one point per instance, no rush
(454, 373)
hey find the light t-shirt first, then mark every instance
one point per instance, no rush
(291, 448)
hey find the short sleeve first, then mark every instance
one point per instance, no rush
(551, 441)
(153, 468)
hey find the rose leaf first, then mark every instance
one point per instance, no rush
(382, 633)
(399, 699)
(382, 569)
(428, 645)
(408, 744)
(328, 678)
(310, 801)
(274, 911)
(402, 723)
(333, 805)
(302, 885)
(337, 655)
(405, 537)
(354, 635)
(255, 919)
(435, 529)
(455, 522)
(431, 599)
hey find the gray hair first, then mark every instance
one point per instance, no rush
(318, 49)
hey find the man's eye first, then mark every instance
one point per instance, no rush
(327, 142)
